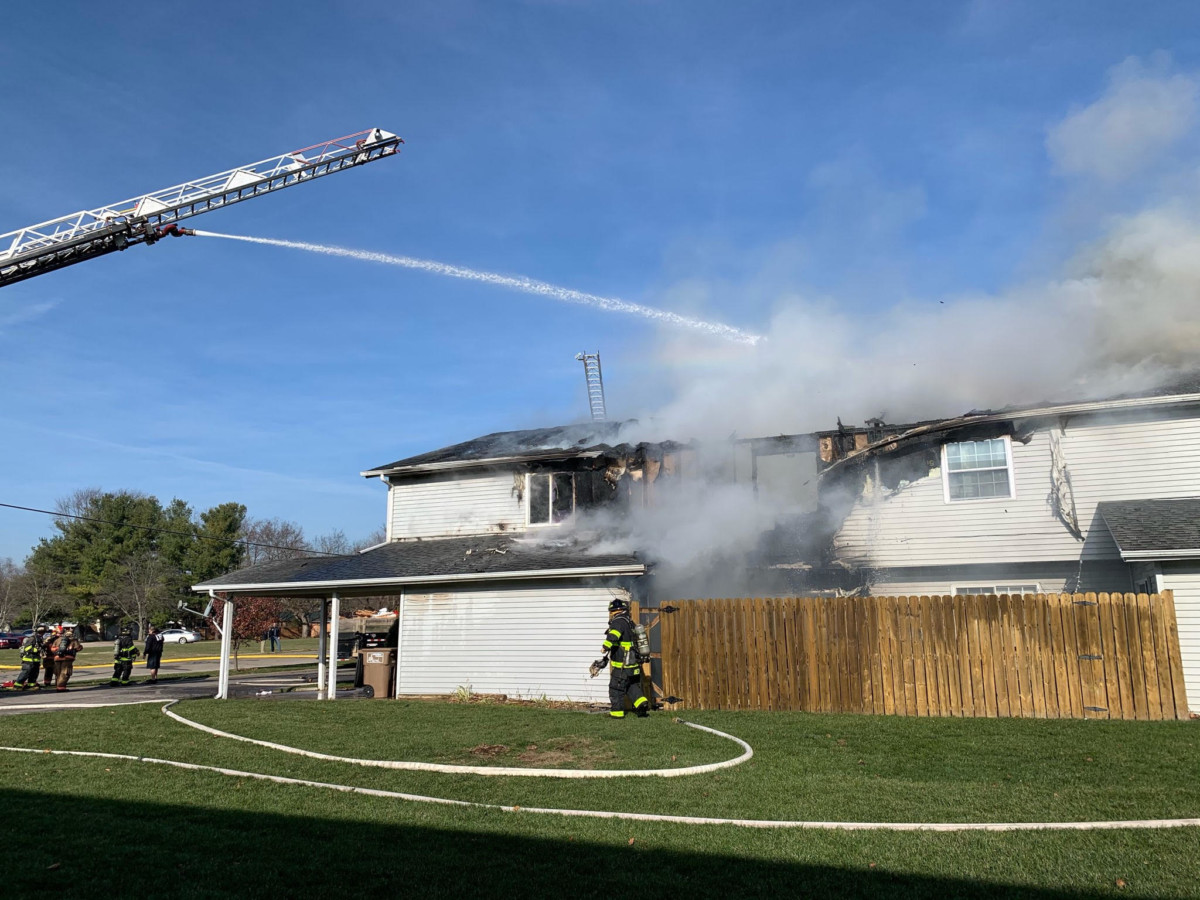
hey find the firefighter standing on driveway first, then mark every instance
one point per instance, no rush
(625, 669)
(124, 653)
(32, 649)
(66, 647)
(49, 662)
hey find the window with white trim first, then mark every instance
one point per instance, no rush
(549, 497)
(977, 470)
(971, 590)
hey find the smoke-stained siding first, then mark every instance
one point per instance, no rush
(523, 641)
(915, 526)
(1183, 578)
(447, 506)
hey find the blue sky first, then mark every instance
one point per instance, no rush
(704, 157)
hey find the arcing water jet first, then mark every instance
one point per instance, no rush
(515, 282)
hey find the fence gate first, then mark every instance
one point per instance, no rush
(1033, 655)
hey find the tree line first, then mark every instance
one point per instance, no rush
(128, 557)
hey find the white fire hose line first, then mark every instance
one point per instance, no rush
(444, 768)
(640, 817)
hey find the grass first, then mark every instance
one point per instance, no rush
(290, 841)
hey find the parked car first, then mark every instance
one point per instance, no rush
(180, 636)
(10, 640)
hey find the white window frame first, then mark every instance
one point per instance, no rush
(1008, 463)
(996, 587)
(550, 493)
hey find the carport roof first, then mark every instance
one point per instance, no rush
(434, 561)
(1154, 529)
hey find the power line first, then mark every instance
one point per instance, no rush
(188, 534)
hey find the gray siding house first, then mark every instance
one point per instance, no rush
(1070, 497)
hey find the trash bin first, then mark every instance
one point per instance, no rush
(379, 670)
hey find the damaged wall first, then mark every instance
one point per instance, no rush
(909, 523)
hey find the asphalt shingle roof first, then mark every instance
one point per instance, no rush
(504, 444)
(401, 560)
(1153, 526)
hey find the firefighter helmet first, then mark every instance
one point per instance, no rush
(618, 605)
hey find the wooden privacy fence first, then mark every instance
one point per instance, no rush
(1037, 655)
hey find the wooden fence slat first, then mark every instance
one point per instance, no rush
(929, 639)
(1070, 654)
(877, 638)
(1045, 641)
(1149, 669)
(1175, 660)
(1162, 658)
(1109, 605)
(1135, 677)
(1019, 659)
(1033, 660)
(1119, 656)
(963, 654)
(1087, 620)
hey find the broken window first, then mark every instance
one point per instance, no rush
(978, 470)
(551, 497)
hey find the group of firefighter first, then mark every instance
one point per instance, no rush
(52, 653)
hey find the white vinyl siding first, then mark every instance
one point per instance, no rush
(1050, 577)
(914, 526)
(528, 642)
(449, 506)
(1184, 579)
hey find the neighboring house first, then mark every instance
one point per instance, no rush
(1099, 496)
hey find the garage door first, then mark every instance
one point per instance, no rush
(525, 642)
(1184, 580)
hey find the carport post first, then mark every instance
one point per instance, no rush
(399, 641)
(334, 611)
(226, 647)
(322, 643)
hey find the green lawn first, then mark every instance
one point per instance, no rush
(224, 834)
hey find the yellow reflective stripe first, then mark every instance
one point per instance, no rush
(639, 701)
(608, 645)
(617, 715)
(614, 632)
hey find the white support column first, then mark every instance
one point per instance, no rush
(322, 645)
(399, 641)
(226, 649)
(335, 606)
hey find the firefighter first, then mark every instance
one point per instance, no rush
(124, 653)
(31, 660)
(66, 646)
(625, 668)
(49, 662)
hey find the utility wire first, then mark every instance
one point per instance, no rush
(193, 535)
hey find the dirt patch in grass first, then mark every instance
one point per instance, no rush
(488, 751)
(582, 753)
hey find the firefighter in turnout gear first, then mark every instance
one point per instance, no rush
(625, 668)
(49, 663)
(124, 653)
(66, 646)
(31, 661)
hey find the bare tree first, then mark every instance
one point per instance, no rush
(40, 590)
(10, 592)
(140, 586)
(273, 539)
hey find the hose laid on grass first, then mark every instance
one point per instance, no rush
(445, 768)
(641, 817)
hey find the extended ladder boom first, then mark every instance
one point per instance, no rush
(85, 235)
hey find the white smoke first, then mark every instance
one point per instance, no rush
(1122, 313)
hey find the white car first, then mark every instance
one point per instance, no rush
(179, 636)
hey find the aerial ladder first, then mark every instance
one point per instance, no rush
(146, 219)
